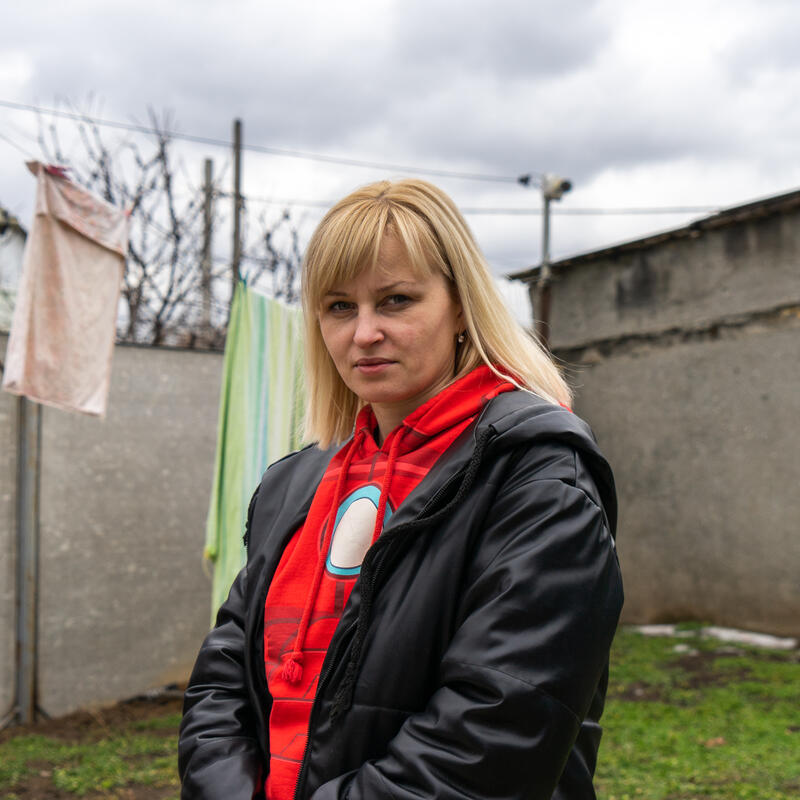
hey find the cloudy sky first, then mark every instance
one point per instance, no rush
(640, 103)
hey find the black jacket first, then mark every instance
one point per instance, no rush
(471, 659)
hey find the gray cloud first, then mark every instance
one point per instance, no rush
(321, 89)
(501, 87)
(504, 38)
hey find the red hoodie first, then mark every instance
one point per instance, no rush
(363, 485)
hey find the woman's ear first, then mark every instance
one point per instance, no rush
(460, 324)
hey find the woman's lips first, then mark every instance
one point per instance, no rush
(371, 366)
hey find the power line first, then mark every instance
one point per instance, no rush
(525, 180)
(533, 211)
(323, 204)
(596, 211)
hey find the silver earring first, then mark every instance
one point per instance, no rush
(460, 338)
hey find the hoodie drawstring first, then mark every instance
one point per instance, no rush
(386, 484)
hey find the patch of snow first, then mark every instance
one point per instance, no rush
(662, 630)
(749, 637)
(655, 630)
(721, 634)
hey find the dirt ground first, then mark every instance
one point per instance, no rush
(87, 725)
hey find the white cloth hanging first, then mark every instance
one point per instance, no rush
(62, 334)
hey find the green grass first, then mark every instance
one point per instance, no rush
(717, 722)
(170, 722)
(102, 766)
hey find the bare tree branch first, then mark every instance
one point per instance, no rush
(161, 287)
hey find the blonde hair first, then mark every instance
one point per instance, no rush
(436, 237)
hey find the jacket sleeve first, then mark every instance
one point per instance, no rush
(530, 647)
(218, 751)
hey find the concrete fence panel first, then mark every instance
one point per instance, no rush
(123, 601)
(704, 441)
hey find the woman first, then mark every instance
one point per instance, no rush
(427, 610)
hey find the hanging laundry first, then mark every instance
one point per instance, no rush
(62, 334)
(260, 416)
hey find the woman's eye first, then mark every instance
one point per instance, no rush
(338, 307)
(397, 300)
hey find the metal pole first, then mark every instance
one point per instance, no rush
(546, 232)
(237, 205)
(28, 455)
(543, 283)
(205, 280)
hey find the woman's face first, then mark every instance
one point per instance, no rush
(392, 334)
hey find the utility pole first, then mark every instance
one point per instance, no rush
(237, 207)
(205, 278)
(28, 472)
(553, 188)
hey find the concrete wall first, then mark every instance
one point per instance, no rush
(124, 601)
(685, 362)
(682, 283)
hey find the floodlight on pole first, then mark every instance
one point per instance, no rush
(554, 187)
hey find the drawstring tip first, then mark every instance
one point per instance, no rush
(293, 668)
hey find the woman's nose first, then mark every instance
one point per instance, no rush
(368, 330)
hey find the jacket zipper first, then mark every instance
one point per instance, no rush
(260, 674)
(326, 671)
(335, 653)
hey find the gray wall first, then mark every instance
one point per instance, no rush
(684, 357)
(124, 601)
(684, 283)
